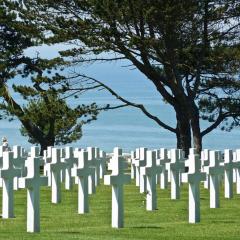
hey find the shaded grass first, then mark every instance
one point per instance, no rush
(170, 221)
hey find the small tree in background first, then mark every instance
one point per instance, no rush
(59, 123)
(55, 121)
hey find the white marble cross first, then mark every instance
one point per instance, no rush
(34, 151)
(33, 181)
(70, 161)
(63, 172)
(133, 168)
(103, 163)
(55, 167)
(137, 170)
(91, 178)
(18, 162)
(228, 173)
(151, 170)
(117, 151)
(4, 148)
(194, 177)
(97, 152)
(76, 152)
(141, 162)
(1, 162)
(117, 179)
(97, 156)
(96, 164)
(157, 151)
(7, 173)
(214, 170)
(205, 157)
(24, 153)
(168, 166)
(1, 165)
(82, 172)
(205, 163)
(176, 167)
(162, 162)
(1, 150)
(237, 168)
(182, 159)
(47, 156)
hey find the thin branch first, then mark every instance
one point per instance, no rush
(128, 103)
(218, 121)
(108, 107)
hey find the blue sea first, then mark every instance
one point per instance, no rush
(127, 127)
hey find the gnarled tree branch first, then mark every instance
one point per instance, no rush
(128, 103)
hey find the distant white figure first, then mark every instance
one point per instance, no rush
(5, 145)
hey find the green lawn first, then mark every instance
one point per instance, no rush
(61, 221)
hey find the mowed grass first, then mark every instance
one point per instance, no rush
(170, 221)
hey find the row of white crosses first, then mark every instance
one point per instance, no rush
(88, 167)
(209, 170)
(146, 171)
(174, 165)
(85, 172)
(32, 181)
(26, 170)
(12, 167)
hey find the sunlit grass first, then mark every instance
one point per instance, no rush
(170, 221)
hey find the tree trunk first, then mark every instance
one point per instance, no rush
(45, 144)
(195, 126)
(183, 133)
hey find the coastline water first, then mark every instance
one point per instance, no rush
(127, 127)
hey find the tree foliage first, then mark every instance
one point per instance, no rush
(57, 115)
(44, 111)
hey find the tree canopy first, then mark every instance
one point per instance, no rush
(188, 49)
